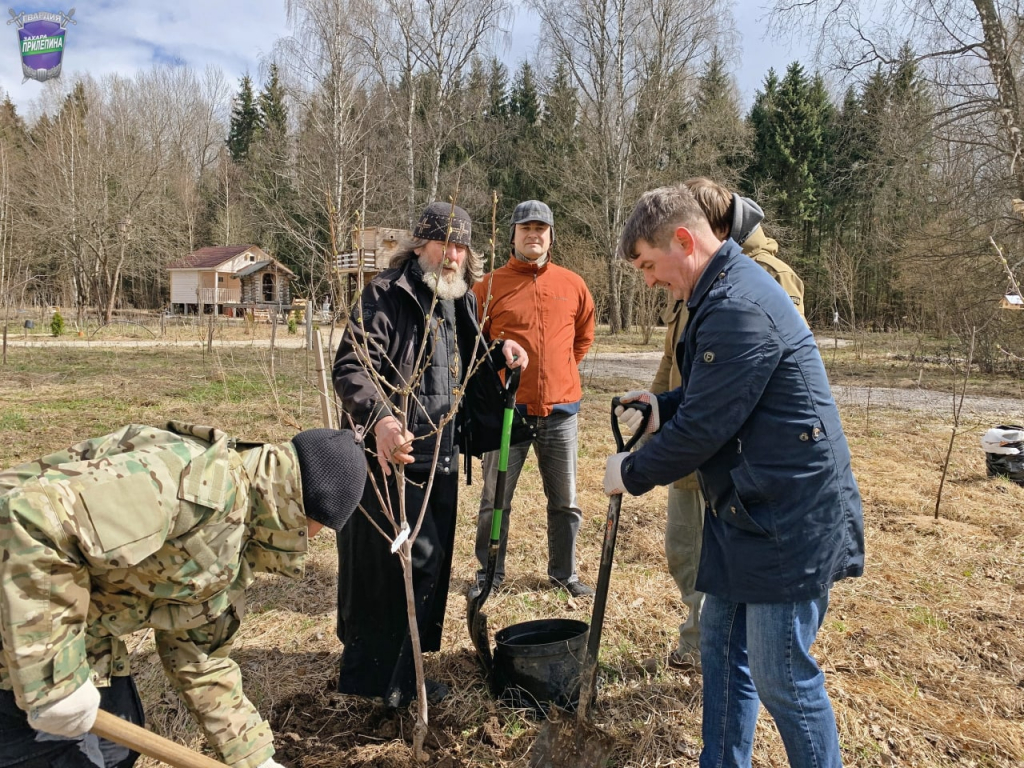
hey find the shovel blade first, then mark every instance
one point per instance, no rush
(567, 741)
(477, 621)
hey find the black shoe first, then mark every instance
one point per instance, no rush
(477, 589)
(436, 693)
(574, 588)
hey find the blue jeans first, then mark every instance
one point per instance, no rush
(759, 653)
(555, 446)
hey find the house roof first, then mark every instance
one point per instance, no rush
(253, 268)
(210, 257)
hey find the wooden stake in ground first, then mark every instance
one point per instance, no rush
(273, 340)
(326, 395)
(5, 343)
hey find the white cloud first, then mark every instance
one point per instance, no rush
(125, 37)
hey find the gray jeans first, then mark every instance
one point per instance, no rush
(683, 533)
(555, 447)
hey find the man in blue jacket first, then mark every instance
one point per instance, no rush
(755, 417)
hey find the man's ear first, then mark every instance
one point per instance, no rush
(685, 238)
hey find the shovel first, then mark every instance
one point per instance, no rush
(567, 741)
(477, 620)
(113, 728)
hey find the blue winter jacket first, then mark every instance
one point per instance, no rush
(755, 417)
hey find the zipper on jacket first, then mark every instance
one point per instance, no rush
(739, 445)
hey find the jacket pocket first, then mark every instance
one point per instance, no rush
(746, 492)
(127, 518)
(736, 515)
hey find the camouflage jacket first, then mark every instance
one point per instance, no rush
(145, 527)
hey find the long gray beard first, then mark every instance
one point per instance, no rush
(454, 287)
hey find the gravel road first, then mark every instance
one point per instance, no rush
(640, 367)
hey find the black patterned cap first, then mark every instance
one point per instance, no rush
(436, 220)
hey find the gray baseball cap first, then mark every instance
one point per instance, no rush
(531, 210)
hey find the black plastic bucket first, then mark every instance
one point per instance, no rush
(537, 663)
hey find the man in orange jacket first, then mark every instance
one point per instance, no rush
(550, 312)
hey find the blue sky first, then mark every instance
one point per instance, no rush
(128, 35)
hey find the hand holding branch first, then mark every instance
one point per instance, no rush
(394, 443)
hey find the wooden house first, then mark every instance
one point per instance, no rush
(207, 277)
(266, 284)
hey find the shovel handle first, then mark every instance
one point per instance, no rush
(113, 728)
(512, 386)
(645, 410)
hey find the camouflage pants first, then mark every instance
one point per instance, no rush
(19, 747)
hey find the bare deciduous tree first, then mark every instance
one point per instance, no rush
(625, 89)
(430, 45)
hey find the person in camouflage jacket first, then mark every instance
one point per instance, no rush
(160, 528)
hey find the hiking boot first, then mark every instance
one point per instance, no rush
(575, 588)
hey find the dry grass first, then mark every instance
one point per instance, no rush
(924, 655)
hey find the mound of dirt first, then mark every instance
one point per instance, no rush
(331, 730)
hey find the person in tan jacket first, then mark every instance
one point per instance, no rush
(739, 218)
(550, 312)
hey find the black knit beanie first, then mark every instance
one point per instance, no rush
(333, 469)
(444, 222)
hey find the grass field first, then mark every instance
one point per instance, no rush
(924, 655)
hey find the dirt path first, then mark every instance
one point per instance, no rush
(283, 341)
(642, 366)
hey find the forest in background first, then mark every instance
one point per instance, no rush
(888, 177)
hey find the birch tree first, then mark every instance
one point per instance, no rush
(408, 43)
(629, 61)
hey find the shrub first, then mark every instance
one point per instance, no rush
(57, 324)
(293, 324)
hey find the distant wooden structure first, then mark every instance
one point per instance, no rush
(1012, 301)
(205, 278)
(266, 284)
(373, 249)
(229, 278)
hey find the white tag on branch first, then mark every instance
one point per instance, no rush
(400, 538)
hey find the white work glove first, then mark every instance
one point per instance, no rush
(71, 716)
(613, 474)
(631, 418)
(270, 763)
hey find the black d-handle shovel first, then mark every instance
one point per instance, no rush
(575, 742)
(477, 620)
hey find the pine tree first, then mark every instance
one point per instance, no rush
(497, 89)
(12, 127)
(524, 102)
(715, 136)
(561, 108)
(273, 114)
(763, 118)
(245, 122)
